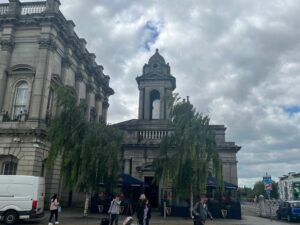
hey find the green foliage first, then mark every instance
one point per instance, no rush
(188, 153)
(89, 150)
(259, 189)
(247, 194)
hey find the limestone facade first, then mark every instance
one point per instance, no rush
(143, 135)
(38, 48)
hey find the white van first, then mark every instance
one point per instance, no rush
(21, 197)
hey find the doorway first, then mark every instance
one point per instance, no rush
(151, 191)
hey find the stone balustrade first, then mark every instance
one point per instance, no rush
(4, 9)
(152, 134)
(33, 8)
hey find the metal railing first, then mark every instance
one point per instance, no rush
(33, 8)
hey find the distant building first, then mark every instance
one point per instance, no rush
(38, 47)
(289, 186)
(143, 135)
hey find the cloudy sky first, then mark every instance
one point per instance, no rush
(239, 61)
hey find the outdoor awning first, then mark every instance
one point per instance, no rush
(211, 182)
(127, 180)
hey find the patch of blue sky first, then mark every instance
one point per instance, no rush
(150, 34)
(291, 110)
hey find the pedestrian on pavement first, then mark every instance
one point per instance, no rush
(101, 201)
(54, 204)
(143, 201)
(201, 212)
(114, 210)
(147, 213)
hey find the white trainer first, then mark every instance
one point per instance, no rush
(50, 223)
(56, 222)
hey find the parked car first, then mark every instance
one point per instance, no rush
(21, 197)
(289, 210)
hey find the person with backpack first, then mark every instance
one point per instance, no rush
(201, 212)
(54, 204)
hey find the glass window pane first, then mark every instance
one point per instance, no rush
(21, 98)
(9, 168)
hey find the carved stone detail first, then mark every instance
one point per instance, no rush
(66, 61)
(7, 44)
(79, 76)
(89, 87)
(48, 43)
(98, 97)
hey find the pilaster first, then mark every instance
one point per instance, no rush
(7, 45)
(39, 97)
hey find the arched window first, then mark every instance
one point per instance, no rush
(8, 165)
(21, 99)
(154, 105)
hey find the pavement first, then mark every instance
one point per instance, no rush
(75, 217)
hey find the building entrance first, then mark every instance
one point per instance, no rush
(151, 191)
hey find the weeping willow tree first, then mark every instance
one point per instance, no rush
(89, 151)
(189, 153)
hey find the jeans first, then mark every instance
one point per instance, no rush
(114, 217)
(53, 212)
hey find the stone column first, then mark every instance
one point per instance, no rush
(147, 104)
(39, 96)
(68, 75)
(104, 109)
(141, 103)
(162, 103)
(167, 103)
(99, 106)
(89, 99)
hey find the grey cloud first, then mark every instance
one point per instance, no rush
(239, 61)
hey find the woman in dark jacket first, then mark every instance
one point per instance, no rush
(144, 212)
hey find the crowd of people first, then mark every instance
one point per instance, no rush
(200, 210)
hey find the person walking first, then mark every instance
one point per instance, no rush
(201, 212)
(140, 208)
(114, 210)
(147, 213)
(53, 209)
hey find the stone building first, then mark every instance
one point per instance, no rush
(39, 48)
(289, 187)
(143, 135)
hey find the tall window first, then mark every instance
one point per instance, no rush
(9, 168)
(21, 99)
(50, 103)
(155, 104)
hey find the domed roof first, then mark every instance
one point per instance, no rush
(157, 59)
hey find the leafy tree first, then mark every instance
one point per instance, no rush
(89, 150)
(189, 153)
(259, 189)
(247, 194)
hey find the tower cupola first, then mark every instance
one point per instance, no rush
(156, 85)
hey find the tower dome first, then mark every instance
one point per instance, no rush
(156, 59)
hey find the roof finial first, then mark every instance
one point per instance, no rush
(156, 50)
